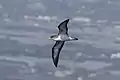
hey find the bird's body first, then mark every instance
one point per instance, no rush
(63, 38)
(60, 39)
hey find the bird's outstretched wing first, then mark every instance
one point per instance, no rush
(63, 27)
(56, 51)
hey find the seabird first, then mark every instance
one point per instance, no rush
(60, 39)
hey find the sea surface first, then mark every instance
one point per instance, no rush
(25, 51)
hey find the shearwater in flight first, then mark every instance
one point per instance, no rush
(60, 39)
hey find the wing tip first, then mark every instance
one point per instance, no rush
(67, 20)
(55, 63)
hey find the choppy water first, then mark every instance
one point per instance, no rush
(25, 51)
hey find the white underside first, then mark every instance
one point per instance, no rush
(59, 39)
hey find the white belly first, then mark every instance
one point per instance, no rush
(63, 38)
(58, 38)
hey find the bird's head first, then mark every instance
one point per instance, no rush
(53, 37)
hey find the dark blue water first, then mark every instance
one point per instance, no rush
(25, 51)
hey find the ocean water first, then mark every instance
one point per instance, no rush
(25, 51)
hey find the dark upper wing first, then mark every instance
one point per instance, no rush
(56, 51)
(63, 27)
